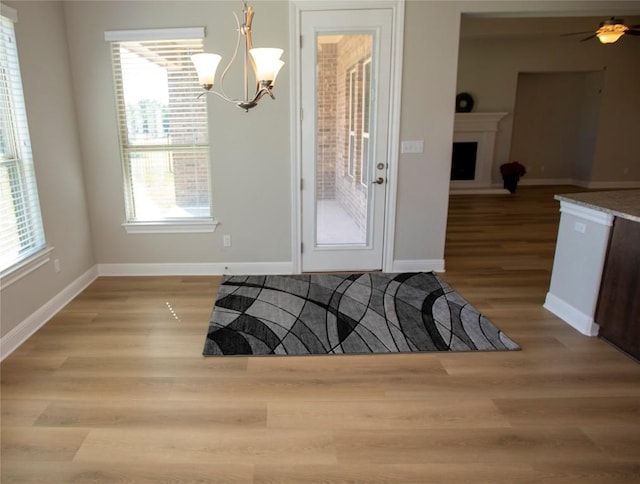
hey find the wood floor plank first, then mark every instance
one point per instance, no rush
(620, 442)
(31, 444)
(384, 414)
(498, 445)
(99, 472)
(165, 414)
(235, 446)
(353, 366)
(396, 473)
(53, 388)
(273, 389)
(571, 411)
(140, 366)
(21, 413)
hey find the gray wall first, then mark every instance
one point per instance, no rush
(250, 158)
(554, 138)
(494, 51)
(50, 104)
(77, 157)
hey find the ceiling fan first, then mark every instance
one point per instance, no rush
(610, 31)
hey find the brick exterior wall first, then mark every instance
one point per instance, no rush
(326, 149)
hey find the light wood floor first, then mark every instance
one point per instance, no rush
(114, 389)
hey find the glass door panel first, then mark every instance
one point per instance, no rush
(343, 114)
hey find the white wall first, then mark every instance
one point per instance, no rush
(44, 62)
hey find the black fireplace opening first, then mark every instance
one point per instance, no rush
(463, 160)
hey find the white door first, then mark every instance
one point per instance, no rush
(345, 85)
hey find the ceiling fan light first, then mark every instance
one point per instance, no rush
(610, 32)
(609, 37)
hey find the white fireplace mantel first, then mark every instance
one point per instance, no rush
(480, 128)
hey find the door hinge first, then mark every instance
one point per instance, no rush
(301, 41)
(301, 183)
(301, 247)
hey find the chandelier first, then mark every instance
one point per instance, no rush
(265, 63)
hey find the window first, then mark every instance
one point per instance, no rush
(163, 125)
(21, 231)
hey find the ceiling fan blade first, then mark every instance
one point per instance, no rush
(577, 33)
(588, 38)
(632, 32)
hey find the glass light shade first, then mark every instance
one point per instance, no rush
(206, 66)
(267, 63)
(276, 69)
(609, 37)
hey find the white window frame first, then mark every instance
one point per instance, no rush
(364, 132)
(193, 224)
(19, 156)
(352, 75)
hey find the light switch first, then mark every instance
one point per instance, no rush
(412, 146)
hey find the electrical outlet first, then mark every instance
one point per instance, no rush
(56, 265)
(580, 227)
(226, 241)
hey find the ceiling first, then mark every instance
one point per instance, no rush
(472, 26)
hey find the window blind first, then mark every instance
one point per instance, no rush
(21, 231)
(163, 129)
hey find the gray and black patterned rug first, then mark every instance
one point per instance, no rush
(346, 314)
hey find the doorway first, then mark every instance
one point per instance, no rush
(346, 63)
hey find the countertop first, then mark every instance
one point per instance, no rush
(620, 203)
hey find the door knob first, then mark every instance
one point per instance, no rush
(379, 180)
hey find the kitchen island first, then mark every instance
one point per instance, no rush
(595, 283)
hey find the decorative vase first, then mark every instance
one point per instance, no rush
(511, 182)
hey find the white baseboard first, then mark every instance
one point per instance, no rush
(572, 316)
(418, 265)
(196, 269)
(18, 335)
(479, 191)
(549, 181)
(614, 184)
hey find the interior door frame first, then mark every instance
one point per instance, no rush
(296, 7)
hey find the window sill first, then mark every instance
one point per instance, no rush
(24, 268)
(173, 227)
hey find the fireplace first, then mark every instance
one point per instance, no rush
(463, 160)
(474, 138)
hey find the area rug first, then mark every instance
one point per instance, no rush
(346, 314)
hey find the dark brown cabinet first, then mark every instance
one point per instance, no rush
(618, 310)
